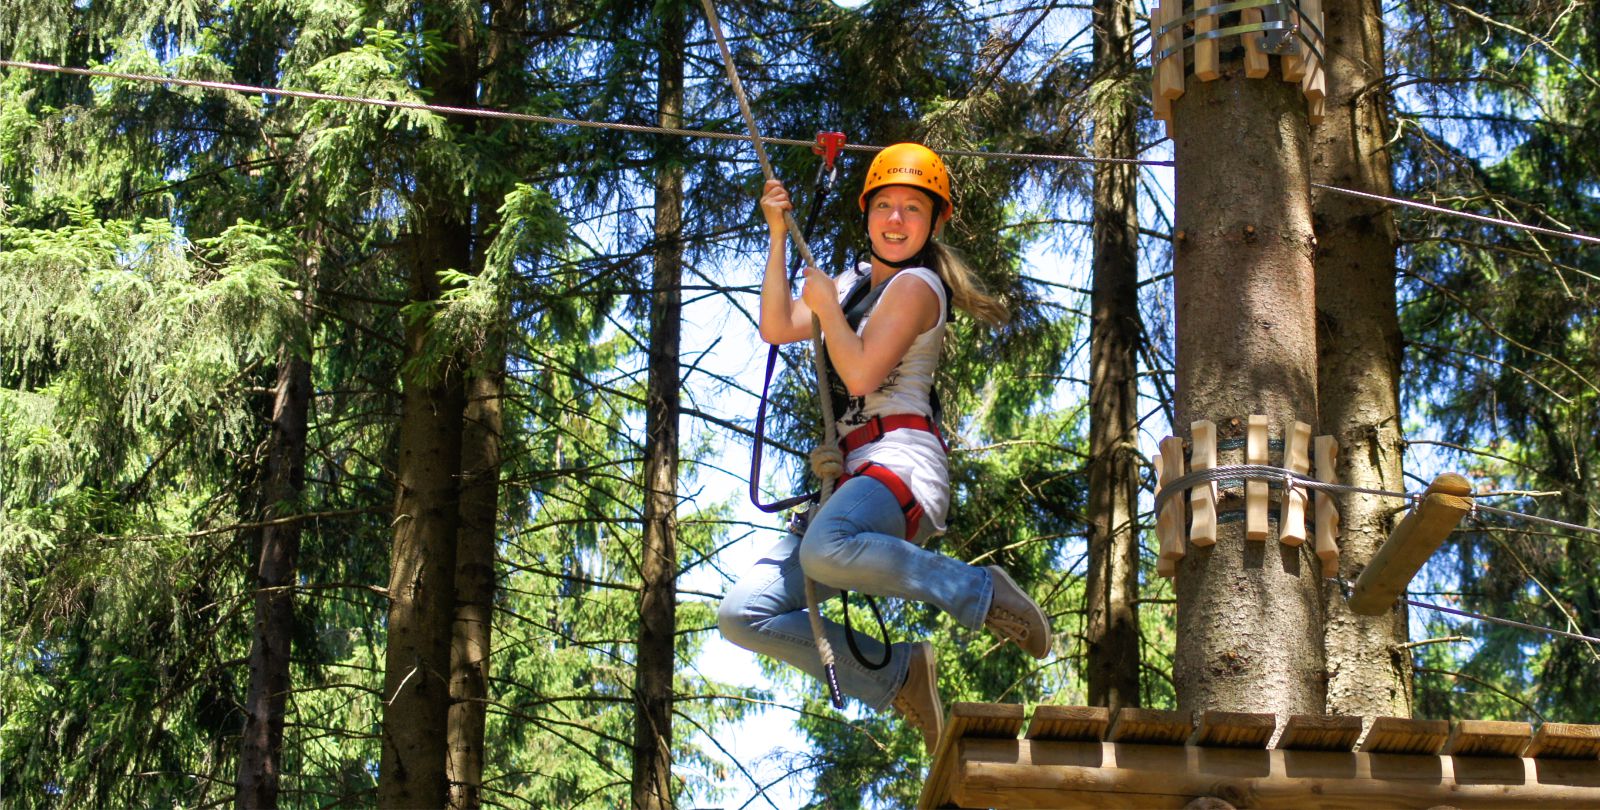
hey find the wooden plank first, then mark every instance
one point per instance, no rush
(1166, 566)
(1410, 545)
(1564, 741)
(1316, 732)
(1149, 726)
(1255, 492)
(1296, 457)
(965, 720)
(1234, 729)
(1006, 774)
(1169, 525)
(1488, 738)
(1400, 735)
(1206, 67)
(1069, 723)
(1203, 498)
(1256, 65)
(1327, 450)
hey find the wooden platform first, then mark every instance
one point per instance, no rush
(1079, 757)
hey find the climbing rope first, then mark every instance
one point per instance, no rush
(825, 402)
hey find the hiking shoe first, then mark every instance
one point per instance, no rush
(1014, 616)
(918, 698)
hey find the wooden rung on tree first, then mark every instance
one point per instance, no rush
(1327, 451)
(1255, 490)
(1419, 534)
(1169, 524)
(1296, 457)
(1300, 62)
(1203, 498)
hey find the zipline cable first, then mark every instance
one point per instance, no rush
(486, 112)
(824, 399)
(1507, 622)
(489, 112)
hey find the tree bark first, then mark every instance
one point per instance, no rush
(1112, 589)
(471, 641)
(285, 478)
(413, 771)
(1249, 612)
(658, 596)
(1359, 352)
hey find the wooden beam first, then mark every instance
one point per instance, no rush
(1401, 735)
(1565, 741)
(965, 721)
(1419, 534)
(1327, 451)
(1079, 723)
(1006, 774)
(1132, 725)
(1488, 738)
(1316, 732)
(1234, 729)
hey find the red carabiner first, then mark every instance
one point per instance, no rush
(828, 145)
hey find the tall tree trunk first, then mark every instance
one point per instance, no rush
(1249, 612)
(285, 478)
(1358, 376)
(471, 647)
(658, 596)
(413, 771)
(1113, 584)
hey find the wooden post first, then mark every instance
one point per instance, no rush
(1256, 65)
(1170, 522)
(1205, 50)
(1444, 503)
(1315, 83)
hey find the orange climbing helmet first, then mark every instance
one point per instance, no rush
(909, 164)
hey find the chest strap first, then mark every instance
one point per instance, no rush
(876, 427)
(902, 493)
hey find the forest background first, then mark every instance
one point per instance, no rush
(346, 450)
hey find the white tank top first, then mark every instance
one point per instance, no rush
(916, 456)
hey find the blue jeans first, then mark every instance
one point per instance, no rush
(853, 542)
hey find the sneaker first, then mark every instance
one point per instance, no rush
(1014, 616)
(918, 698)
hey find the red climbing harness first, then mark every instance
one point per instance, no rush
(874, 429)
(902, 493)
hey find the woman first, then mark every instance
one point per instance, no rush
(897, 484)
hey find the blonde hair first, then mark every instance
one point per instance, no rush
(966, 292)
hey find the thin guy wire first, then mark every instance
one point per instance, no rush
(1581, 237)
(1507, 622)
(487, 112)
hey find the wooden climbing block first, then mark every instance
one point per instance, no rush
(1203, 498)
(1255, 491)
(1327, 451)
(1564, 741)
(1399, 735)
(1411, 543)
(1256, 64)
(1206, 66)
(1169, 72)
(1315, 83)
(1316, 732)
(1487, 738)
(1293, 60)
(1297, 458)
(966, 720)
(1233, 730)
(1149, 726)
(1169, 524)
(1068, 723)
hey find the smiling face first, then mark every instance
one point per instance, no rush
(899, 221)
